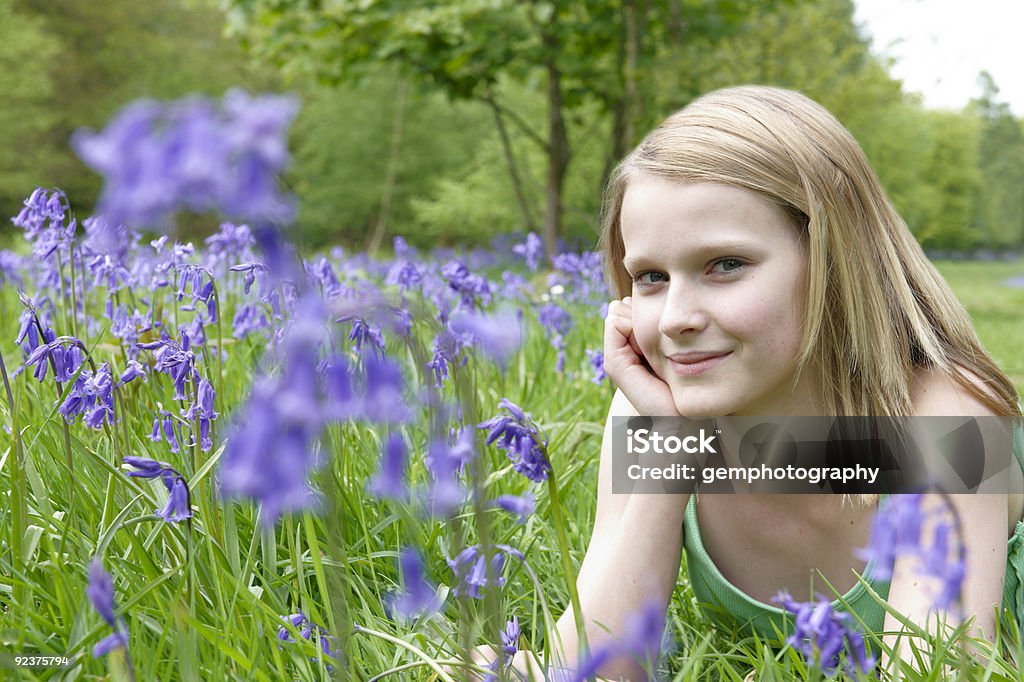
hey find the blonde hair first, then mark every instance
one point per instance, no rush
(876, 307)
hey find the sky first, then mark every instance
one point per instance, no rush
(940, 46)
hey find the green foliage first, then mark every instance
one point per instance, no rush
(343, 140)
(999, 208)
(73, 63)
(26, 118)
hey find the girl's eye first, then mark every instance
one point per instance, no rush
(729, 265)
(647, 279)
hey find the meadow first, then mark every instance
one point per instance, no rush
(227, 460)
(232, 383)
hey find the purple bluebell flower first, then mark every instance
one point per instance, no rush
(470, 569)
(896, 530)
(521, 440)
(821, 635)
(509, 646)
(498, 335)
(175, 360)
(532, 251)
(100, 592)
(383, 402)
(202, 411)
(936, 561)
(472, 289)
(178, 507)
(596, 360)
(642, 639)
(229, 244)
(91, 395)
(306, 629)
(45, 221)
(445, 350)
(164, 427)
(194, 154)
(133, 371)
(248, 318)
(445, 493)
(418, 598)
(390, 479)
(271, 454)
(522, 506)
(254, 273)
(363, 332)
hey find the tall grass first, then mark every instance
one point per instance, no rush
(205, 601)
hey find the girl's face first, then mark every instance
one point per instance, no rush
(717, 271)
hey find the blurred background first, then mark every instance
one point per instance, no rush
(449, 123)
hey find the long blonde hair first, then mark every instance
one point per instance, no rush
(876, 307)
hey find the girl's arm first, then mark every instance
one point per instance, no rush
(983, 529)
(983, 520)
(632, 562)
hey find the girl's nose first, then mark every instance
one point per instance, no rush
(683, 311)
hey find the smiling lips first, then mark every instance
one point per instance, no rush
(694, 363)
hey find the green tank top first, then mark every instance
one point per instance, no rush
(725, 602)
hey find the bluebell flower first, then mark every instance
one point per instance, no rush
(194, 154)
(498, 335)
(255, 273)
(896, 530)
(175, 360)
(133, 371)
(521, 440)
(472, 289)
(596, 360)
(470, 569)
(363, 332)
(418, 597)
(446, 348)
(390, 479)
(445, 493)
(532, 251)
(248, 319)
(100, 592)
(45, 219)
(821, 635)
(271, 454)
(382, 399)
(178, 507)
(509, 646)
(522, 506)
(936, 561)
(91, 395)
(641, 640)
(306, 630)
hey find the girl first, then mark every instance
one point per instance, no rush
(763, 271)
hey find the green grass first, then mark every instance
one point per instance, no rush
(206, 604)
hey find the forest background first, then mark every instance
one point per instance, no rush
(449, 123)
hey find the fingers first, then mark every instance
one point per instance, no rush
(620, 320)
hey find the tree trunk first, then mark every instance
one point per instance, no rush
(389, 182)
(513, 167)
(558, 151)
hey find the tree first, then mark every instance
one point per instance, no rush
(1000, 198)
(26, 59)
(87, 59)
(576, 51)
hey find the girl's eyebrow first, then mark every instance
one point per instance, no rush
(699, 250)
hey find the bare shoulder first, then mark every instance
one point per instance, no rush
(937, 394)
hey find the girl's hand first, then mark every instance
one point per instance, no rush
(625, 364)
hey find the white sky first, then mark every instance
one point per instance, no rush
(940, 46)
